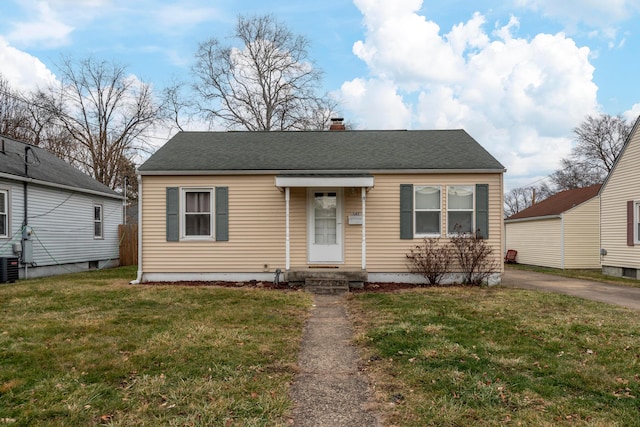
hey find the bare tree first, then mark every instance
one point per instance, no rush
(105, 113)
(599, 141)
(14, 114)
(576, 174)
(268, 83)
(521, 198)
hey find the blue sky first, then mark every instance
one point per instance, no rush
(518, 75)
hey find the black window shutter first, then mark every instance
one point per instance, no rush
(222, 214)
(173, 209)
(406, 211)
(482, 210)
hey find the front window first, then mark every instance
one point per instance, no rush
(197, 218)
(4, 215)
(460, 209)
(427, 210)
(97, 221)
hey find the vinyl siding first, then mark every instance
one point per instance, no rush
(538, 242)
(386, 252)
(62, 223)
(582, 235)
(256, 228)
(257, 224)
(623, 184)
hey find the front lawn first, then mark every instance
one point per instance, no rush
(90, 349)
(465, 356)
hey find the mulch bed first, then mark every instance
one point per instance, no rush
(283, 286)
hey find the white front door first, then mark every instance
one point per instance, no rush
(324, 225)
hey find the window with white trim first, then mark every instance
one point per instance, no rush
(4, 213)
(460, 208)
(427, 210)
(97, 221)
(197, 213)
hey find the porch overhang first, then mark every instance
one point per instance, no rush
(293, 181)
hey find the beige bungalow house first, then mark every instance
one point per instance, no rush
(620, 212)
(562, 231)
(287, 205)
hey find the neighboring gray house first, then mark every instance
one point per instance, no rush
(53, 217)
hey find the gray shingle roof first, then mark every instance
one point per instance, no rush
(46, 167)
(321, 151)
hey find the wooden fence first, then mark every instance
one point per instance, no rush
(128, 244)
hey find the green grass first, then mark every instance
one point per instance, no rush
(90, 349)
(595, 275)
(494, 356)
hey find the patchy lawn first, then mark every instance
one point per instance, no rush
(90, 349)
(463, 356)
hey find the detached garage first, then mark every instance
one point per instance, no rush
(562, 231)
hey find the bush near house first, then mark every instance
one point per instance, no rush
(469, 253)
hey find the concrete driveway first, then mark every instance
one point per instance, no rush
(624, 296)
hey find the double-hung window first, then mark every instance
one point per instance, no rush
(427, 210)
(4, 213)
(98, 220)
(467, 211)
(197, 218)
(460, 207)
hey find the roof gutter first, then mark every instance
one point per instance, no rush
(61, 186)
(315, 171)
(533, 218)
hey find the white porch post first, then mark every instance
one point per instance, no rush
(287, 194)
(364, 233)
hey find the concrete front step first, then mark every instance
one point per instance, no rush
(326, 286)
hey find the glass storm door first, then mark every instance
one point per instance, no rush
(325, 226)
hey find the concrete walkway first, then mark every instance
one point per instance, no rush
(330, 390)
(624, 296)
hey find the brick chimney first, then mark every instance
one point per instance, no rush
(336, 124)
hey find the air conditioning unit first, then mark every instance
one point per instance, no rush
(8, 269)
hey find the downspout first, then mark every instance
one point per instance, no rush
(364, 225)
(287, 261)
(25, 221)
(139, 277)
(562, 241)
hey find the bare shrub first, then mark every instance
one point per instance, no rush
(430, 259)
(474, 257)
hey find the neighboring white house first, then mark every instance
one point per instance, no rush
(562, 231)
(53, 217)
(620, 212)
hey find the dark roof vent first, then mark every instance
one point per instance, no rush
(336, 124)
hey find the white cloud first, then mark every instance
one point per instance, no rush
(520, 98)
(23, 71)
(403, 46)
(45, 29)
(179, 15)
(376, 104)
(633, 114)
(590, 12)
